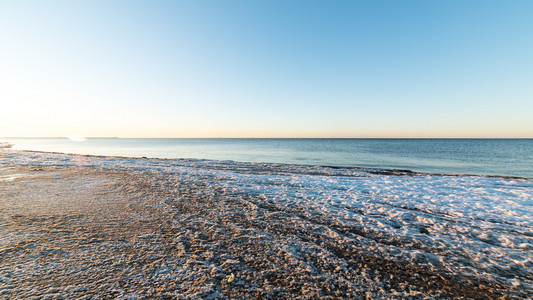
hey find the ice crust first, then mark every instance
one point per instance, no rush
(467, 225)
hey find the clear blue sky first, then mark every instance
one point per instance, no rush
(266, 68)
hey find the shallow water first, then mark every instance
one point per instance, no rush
(505, 157)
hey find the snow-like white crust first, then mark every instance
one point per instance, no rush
(464, 226)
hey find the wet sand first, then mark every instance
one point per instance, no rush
(97, 233)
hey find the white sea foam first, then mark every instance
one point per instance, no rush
(10, 177)
(466, 225)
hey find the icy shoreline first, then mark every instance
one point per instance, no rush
(268, 230)
(199, 161)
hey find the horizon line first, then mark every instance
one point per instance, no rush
(336, 138)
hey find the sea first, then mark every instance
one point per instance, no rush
(500, 157)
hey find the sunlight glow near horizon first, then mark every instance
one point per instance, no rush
(266, 69)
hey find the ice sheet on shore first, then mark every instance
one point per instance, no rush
(467, 225)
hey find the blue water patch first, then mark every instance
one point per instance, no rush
(506, 157)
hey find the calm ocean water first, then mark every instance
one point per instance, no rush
(508, 157)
